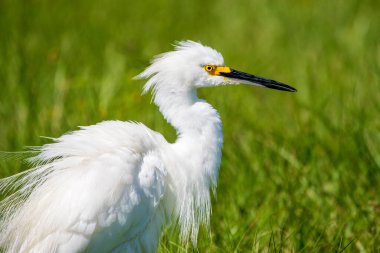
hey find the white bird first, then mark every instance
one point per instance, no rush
(114, 186)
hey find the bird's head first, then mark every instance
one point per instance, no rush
(193, 65)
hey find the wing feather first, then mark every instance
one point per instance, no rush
(98, 186)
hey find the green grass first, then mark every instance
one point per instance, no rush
(300, 172)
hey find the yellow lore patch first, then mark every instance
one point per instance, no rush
(216, 70)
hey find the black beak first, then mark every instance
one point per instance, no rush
(257, 80)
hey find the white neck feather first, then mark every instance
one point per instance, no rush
(198, 147)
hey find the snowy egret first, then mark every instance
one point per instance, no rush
(113, 186)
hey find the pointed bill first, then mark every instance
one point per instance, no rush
(254, 80)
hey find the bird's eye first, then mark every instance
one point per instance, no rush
(209, 67)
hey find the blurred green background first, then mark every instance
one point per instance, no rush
(300, 172)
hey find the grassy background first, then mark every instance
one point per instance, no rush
(300, 172)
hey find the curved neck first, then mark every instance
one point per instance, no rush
(176, 106)
(197, 153)
(190, 116)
